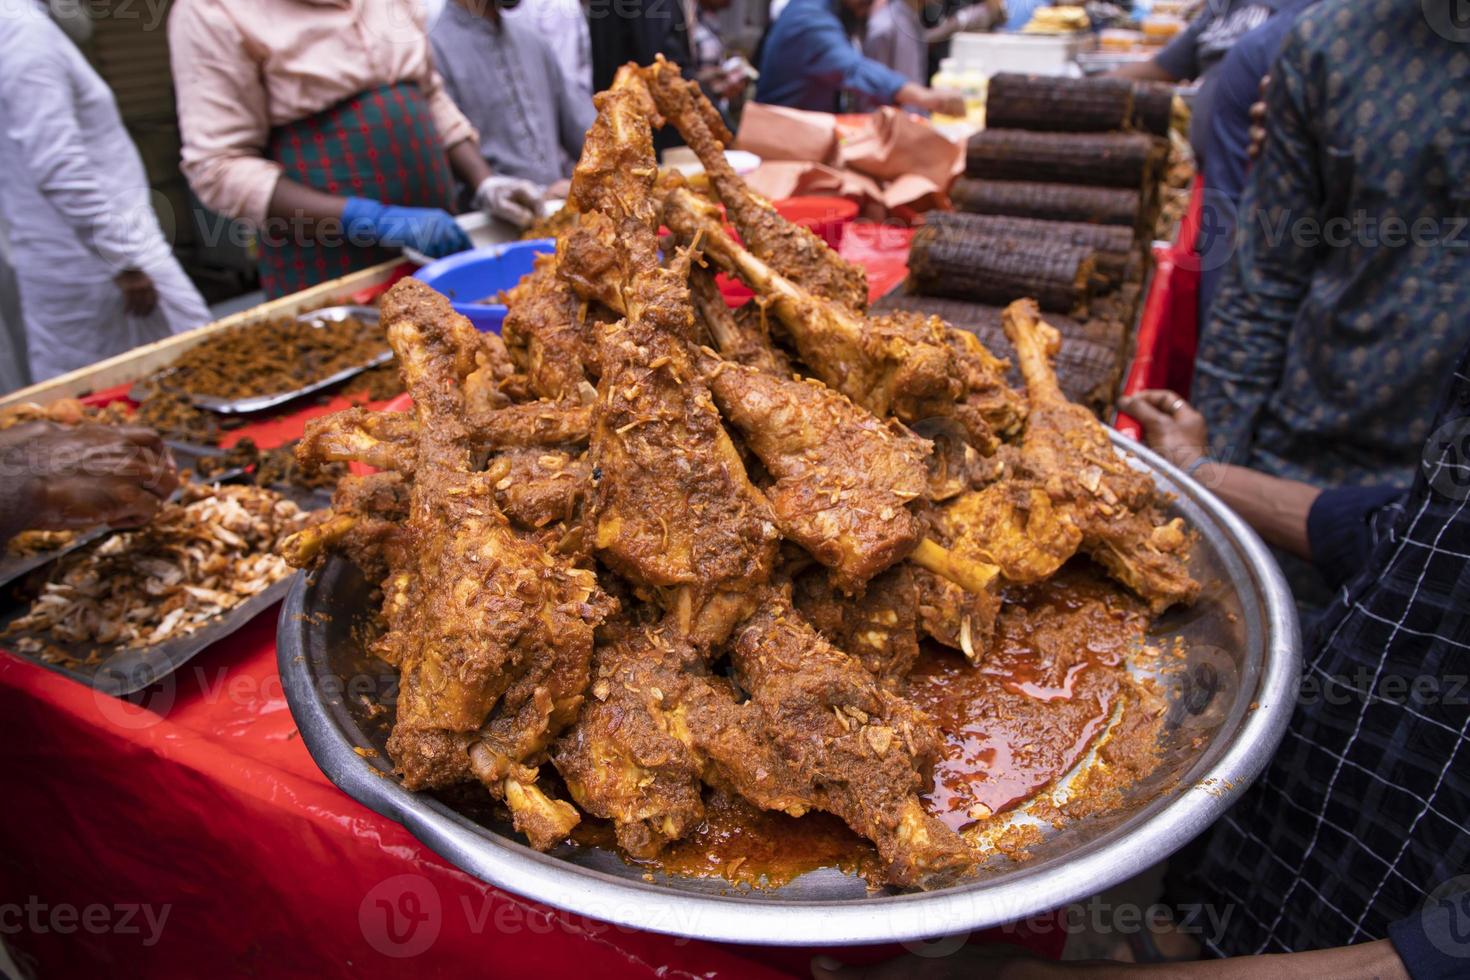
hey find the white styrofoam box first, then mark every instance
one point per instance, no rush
(1036, 54)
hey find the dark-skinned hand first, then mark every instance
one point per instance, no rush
(140, 296)
(1171, 426)
(61, 477)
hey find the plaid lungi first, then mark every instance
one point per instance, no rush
(380, 144)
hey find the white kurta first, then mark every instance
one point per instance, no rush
(15, 368)
(76, 203)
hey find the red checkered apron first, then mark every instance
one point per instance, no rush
(380, 144)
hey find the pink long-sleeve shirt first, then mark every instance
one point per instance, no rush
(242, 69)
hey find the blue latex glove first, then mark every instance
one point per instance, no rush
(429, 230)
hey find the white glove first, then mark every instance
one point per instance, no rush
(510, 199)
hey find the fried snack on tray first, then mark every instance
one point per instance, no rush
(66, 411)
(658, 566)
(279, 355)
(28, 543)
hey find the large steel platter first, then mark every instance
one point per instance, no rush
(1228, 710)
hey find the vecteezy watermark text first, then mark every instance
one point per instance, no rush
(119, 919)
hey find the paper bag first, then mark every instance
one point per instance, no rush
(777, 133)
(895, 144)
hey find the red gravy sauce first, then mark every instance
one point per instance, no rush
(1010, 727)
(1030, 711)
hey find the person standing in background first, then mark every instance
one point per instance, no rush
(1344, 301)
(562, 24)
(15, 368)
(636, 30)
(896, 35)
(706, 46)
(1330, 332)
(1230, 91)
(723, 79)
(1195, 51)
(808, 61)
(506, 81)
(96, 276)
(1018, 14)
(324, 125)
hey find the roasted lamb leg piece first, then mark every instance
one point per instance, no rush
(365, 524)
(532, 424)
(1066, 490)
(959, 619)
(633, 757)
(880, 629)
(740, 338)
(1114, 507)
(387, 440)
(491, 633)
(383, 440)
(791, 250)
(547, 329)
(847, 746)
(673, 509)
(845, 482)
(907, 366)
(1013, 525)
(818, 732)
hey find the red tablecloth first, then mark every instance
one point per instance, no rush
(1168, 330)
(187, 829)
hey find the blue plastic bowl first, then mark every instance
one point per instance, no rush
(481, 272)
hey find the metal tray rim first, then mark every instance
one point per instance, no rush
(1113, 857)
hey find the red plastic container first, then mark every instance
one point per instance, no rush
(735, 292)
(827, 216)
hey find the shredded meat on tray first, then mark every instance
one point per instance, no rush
(200, 556)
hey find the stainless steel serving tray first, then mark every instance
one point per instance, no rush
(13, 567)
(123, 670)
(1228, 709)
(258, 403)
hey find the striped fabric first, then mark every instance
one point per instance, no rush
(381, 145)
